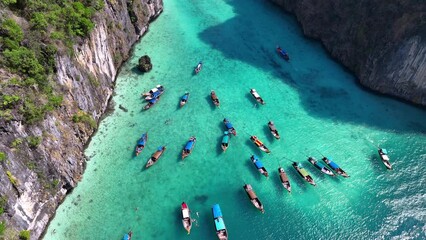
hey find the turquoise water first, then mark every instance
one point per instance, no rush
(315, 105)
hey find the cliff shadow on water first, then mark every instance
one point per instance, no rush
(325, 89)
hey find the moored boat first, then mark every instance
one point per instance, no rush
(259, 165)
(335, 167)
(155, 156)
(225, 141)
(283, 53)
(188, 147)
(385, 158)
(141, 143)
(128, 236)
(303, 173)
(157, 93)
(214, 98)
(229, 126)
(198, 67)
(273, 129)
(150, 92)
(186, 217)
(253, 198)
(256, 96)
(320, 166)
(219, 224)
(284, 179)
(151, 103)
(259, 144)
(184, 99)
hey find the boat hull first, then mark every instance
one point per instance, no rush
(284, 179)
(185, 153)
(253, 198)
(186, 217)
(337, 169)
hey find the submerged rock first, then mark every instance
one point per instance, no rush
(145, 64)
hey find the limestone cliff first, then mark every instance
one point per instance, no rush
(34, 180)
(382, 42)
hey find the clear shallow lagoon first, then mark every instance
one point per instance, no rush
(314, 103)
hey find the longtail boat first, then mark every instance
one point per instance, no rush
(155, 156)
(188, 147)
(385, 158)
(284, 179)
(320, 166)
(214, 98)
(184, 99)
(128, 236)
(186, 217)
(198, 67)
(259, 165)
(257, 96)
(253, 198)
(283, 53)
(219, 224)
(259, 144)
(141, 143)
(303, 173)
(229, 126)
(273, 130)
(225, 141)
(150, 92)
(335, 167)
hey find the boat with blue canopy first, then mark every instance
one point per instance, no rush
(259, 165)
(225, 141)
(219, 224)
(303, 173)
(320, 166)
(385, 158)
(253, 198)
(283, 53)
(141, 143)
(188, 147)
(334, 166)
(229, 126)
(155, 156)
(150, 92)
(184, 99)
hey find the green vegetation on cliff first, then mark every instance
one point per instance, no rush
(32, 32)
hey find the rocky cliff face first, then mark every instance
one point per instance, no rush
(34, 180)
(382, 42)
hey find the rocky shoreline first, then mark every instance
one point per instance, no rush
(382, 42)
(45, 174)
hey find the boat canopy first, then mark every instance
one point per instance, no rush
(334, 165)
(185, 213)
(258, 164)
(126, 237)
(188, 145)
(228, 125)
(385, 157)
(154, 100)
(320, 165)
(255, 94)
(384, 151)
(303, 172)
(220, 225)
(225, 139)
(185, 97)
(216, 211)
(160, 148)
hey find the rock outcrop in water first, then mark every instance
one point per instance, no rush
(145, 64)
(382, 42)
(34, 180)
